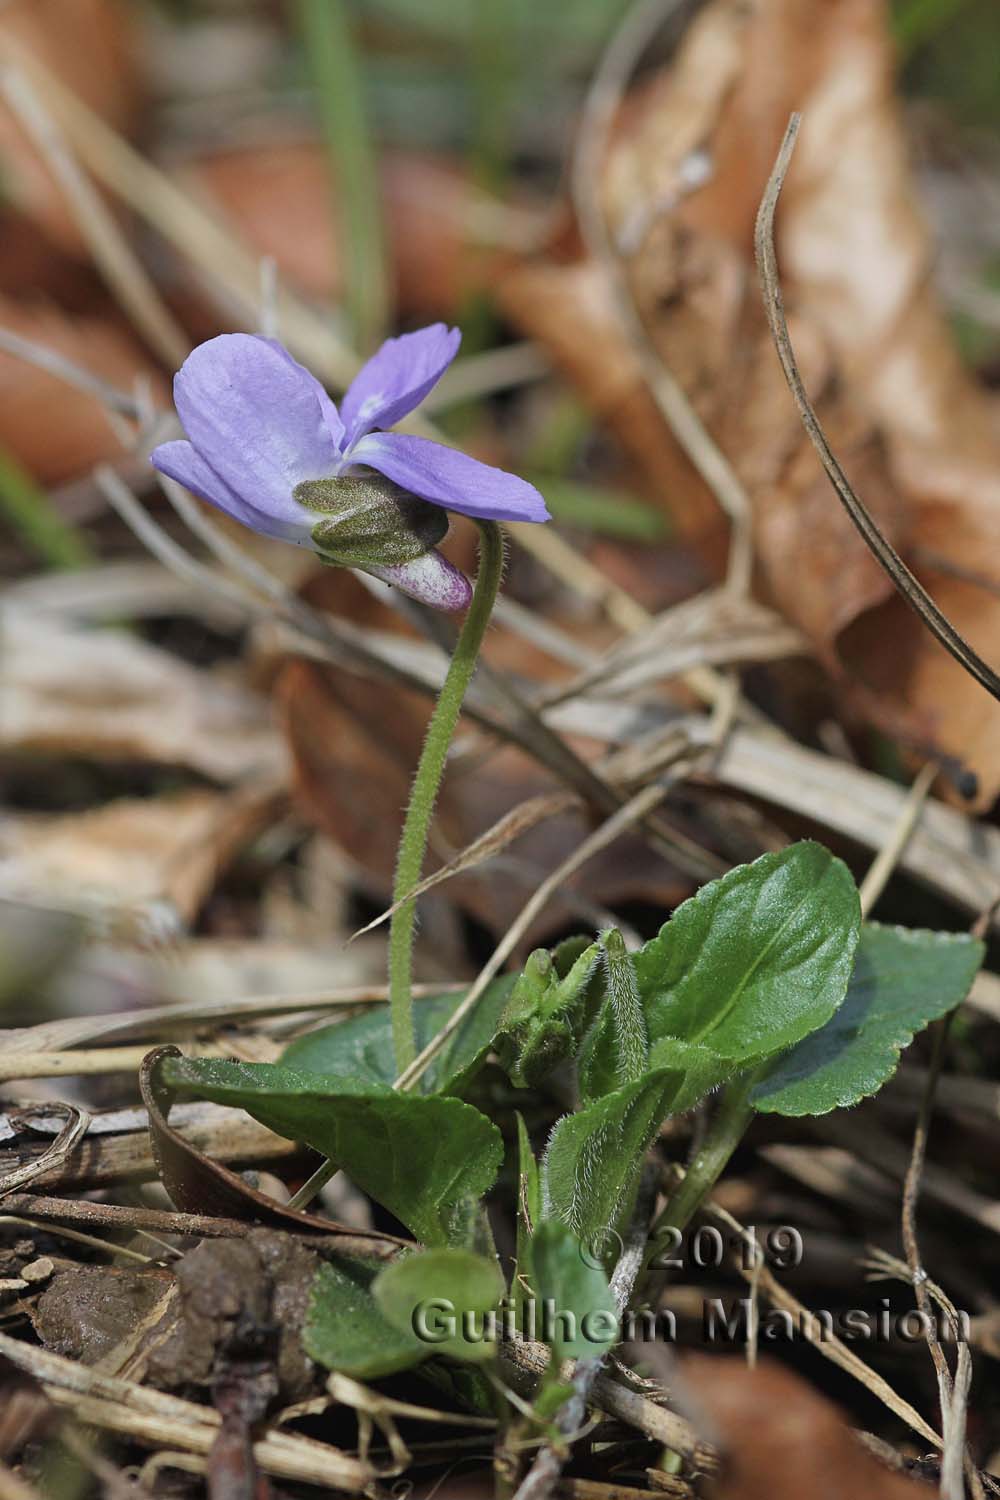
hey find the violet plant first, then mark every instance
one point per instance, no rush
(763, 993)
(266, 444)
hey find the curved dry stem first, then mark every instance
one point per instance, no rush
(882, 550)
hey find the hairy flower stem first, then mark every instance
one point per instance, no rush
(413, 843)
(724, 1135)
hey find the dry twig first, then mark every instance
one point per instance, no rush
(829, 1346)
(54, 1156)
(952, 1390)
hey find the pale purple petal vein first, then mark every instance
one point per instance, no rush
(397, 378)
(258, 418)
(181, 461)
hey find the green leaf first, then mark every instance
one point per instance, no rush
(346, 1330)
(550, 1398)
(557, 39)
(757, 960)
(443, 1298)
(577, 1304)
(608, 512)
(591, 1164)
(362, 1047)
(417, 1156)
(699, 1070)
(337, 60)
(36, 516)
(615, 1051)
(529, 1214)
(903, 979)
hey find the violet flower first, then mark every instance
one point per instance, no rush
(267, 445)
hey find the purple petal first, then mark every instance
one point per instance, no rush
(432, 579)
(180, 461)
(330, 411)
(450, 478)
(397, 379)
(258, 419)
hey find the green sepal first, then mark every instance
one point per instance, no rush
(367, 521)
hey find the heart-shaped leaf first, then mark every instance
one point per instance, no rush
(756, 960)
(419, 1156)
(902, 980)
(362, 1046)
(444, 1299)
(346, 1330)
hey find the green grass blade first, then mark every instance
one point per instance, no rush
(28, 509)
(336, 63)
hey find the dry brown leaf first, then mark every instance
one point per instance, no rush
(135, 865)
(353, 779)
(107, 696)
(196, 1183)
(352, 776)
(442, 229)
(916, 435)
(88, 45)
(570, 310)
(351, 773)
(781, 1440)
(56, 431)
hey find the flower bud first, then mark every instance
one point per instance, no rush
(368, 522)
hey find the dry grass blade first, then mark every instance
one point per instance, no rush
(112, 254)
(880, 871)
(956, 1462)
(831, 1347)
(13, 1487)
(105, 1247)
(946, 850)
(163, 547)
(168, 1020)
(62, 1147)
(100, 1061)
(119, 403)
(34, 1209)
(339, 1386)
(489, 844)
(713, 629)
(909, 587)
(99, 1160)
(161, 1420)
(182, 221)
